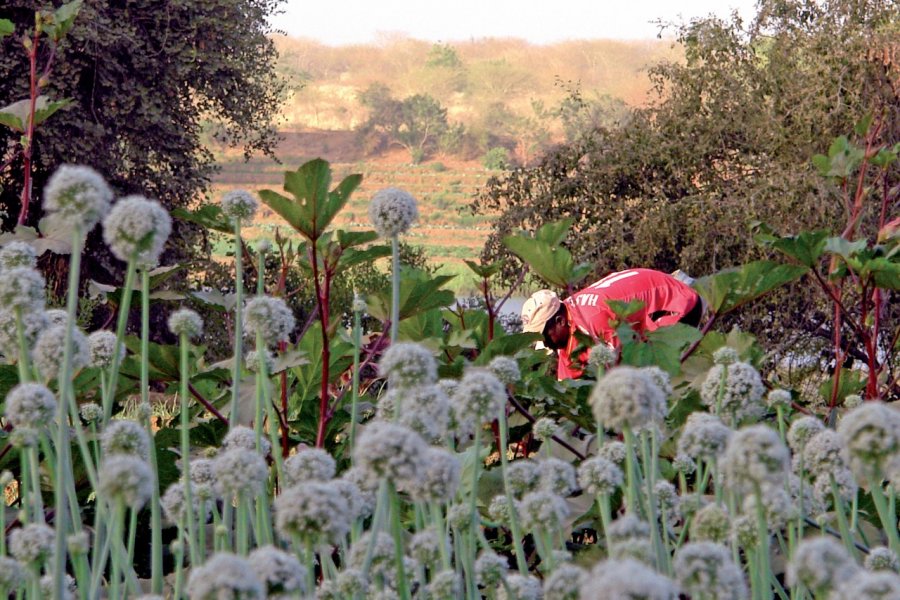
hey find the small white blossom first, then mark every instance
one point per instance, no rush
(137, 229)
(738, 396)
(281, 573)
(613, 451)
(445, 585)
(523, 476)
(865, 585)
(825, 453)
(47, 585)
(872, 435)
(755, 456)
(628, 398)
(710, 523)
(506, 369)
(49, 348)
(91, 412)
(600, 476)
(425, 546)
(882, 558)
(407, 364)
(77, 194)
(125, 478)
(270, 317)
(392, 211)
(439, 477)
(240, 472)
(313, 510)
(388, 450)
(309, 464)
(564, 583)
(820, 564)
(627, 580)
(543, 511)
(240, 436)
(187, 322)
(545, 428)
(32, 542)
(225, 575)
(17, 254)
(33, 323)
(630, 538)
(102, 345)
(239, 204)
(22, 289)
(523, 587)
(480, 394)
(30, 405)
(725, 355)
(778, 398)
(557, 476)
(125, 437)
(57, 316)
(704, 437)
(490, 569)
(174, 503)
(706, 570)
(601, 355)
(12, 573)
(801, 431)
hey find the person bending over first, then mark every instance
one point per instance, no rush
(665, 301)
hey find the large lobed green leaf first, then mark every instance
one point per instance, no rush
(731, 288)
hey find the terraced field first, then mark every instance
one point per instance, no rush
(447, 231)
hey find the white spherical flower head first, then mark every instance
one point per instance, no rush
(263, 246)
(357, 500)
(102, 345)
(407, 364)
(137, 229)
(12, 573)
(706, 570)
(630, 538)
(825, 453)
(125, 437)
(778, 398)
(660, 378)
(17, 254)
(522, 587)
(48, 351)
(30, 405)
(425, 409)
(239, 204)
(309, 464)
(557, 476)
(186, 322)
(598, 475)
(174, 503)
(270, 317)
(32, 543)
(127, 479)
(506, 369)
(725, 355)
(77, 194)
(801, 431)
(711, 523)
(359, 303)
(438, 477)
(756, 456)
(852, 401)
(56, 316)
(391, 451)
(392, 211)
(91, 412)
(480, 394)
(425, 546)
(240, 472)
(252, 360)
(601, 355)
(628, 398)
(523, 476)
(545, 428)
(314, 510)
(820, 564)
(33, 323)
(281, 573)
(564, 583)
(704, 437)
(225, 575)
(739, 396)
(880, 585)
(626, 579)
(48, 584)
(543, 511)
(445, 585)
(22, 289)
(882, 558)
(872, 434)
(244, 437)
(613, 451)
(490, 569)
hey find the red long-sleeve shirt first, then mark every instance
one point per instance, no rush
(590, 314)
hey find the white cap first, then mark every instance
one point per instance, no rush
(539, 309)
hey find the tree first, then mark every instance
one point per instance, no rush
(145, 82)
(727, 142)
(416, 123)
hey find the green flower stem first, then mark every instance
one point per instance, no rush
(720, 392)
(630, 473)
(801, 475)
(238, 325)
(397, 531)
(437, 521)
(395, 287)
(779, 411)
(521, 562)
(132, 534)
(115, 536)
(228, 522)
(652, 517)
(35, 473)
(184, 347)
(472, 547)
(843, 526)
(260, 274)
(121, 323)
(381, 505)
(179, 563)
(156, 566)
(23, 363)
(242, 535)
(258, 400)
(265, 400)
(881, 505)
(354, 390)
(65, 392)
(603, 503)
(762, 531)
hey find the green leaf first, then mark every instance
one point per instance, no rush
(623, 309)
(209, 216)
(805, 248)
(313, 207)
(886, 273)
(851, 382)
(543, 253)
(862, 126)
(6, 28)
(9, 377)
(554, 233)
(418, 293)
(352, 257)
(731, 288)
(41, 114)
(484, 271)
(844, 247)
(662, 348)
(64, 18)
(507, 345)
(309, 374)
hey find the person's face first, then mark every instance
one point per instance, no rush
(556, 331)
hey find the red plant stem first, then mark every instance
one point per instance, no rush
(524, 412)
(490, 310)
(838, 353)
(322, 302)
(29, 129)
(207, 404)
(706, 327)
